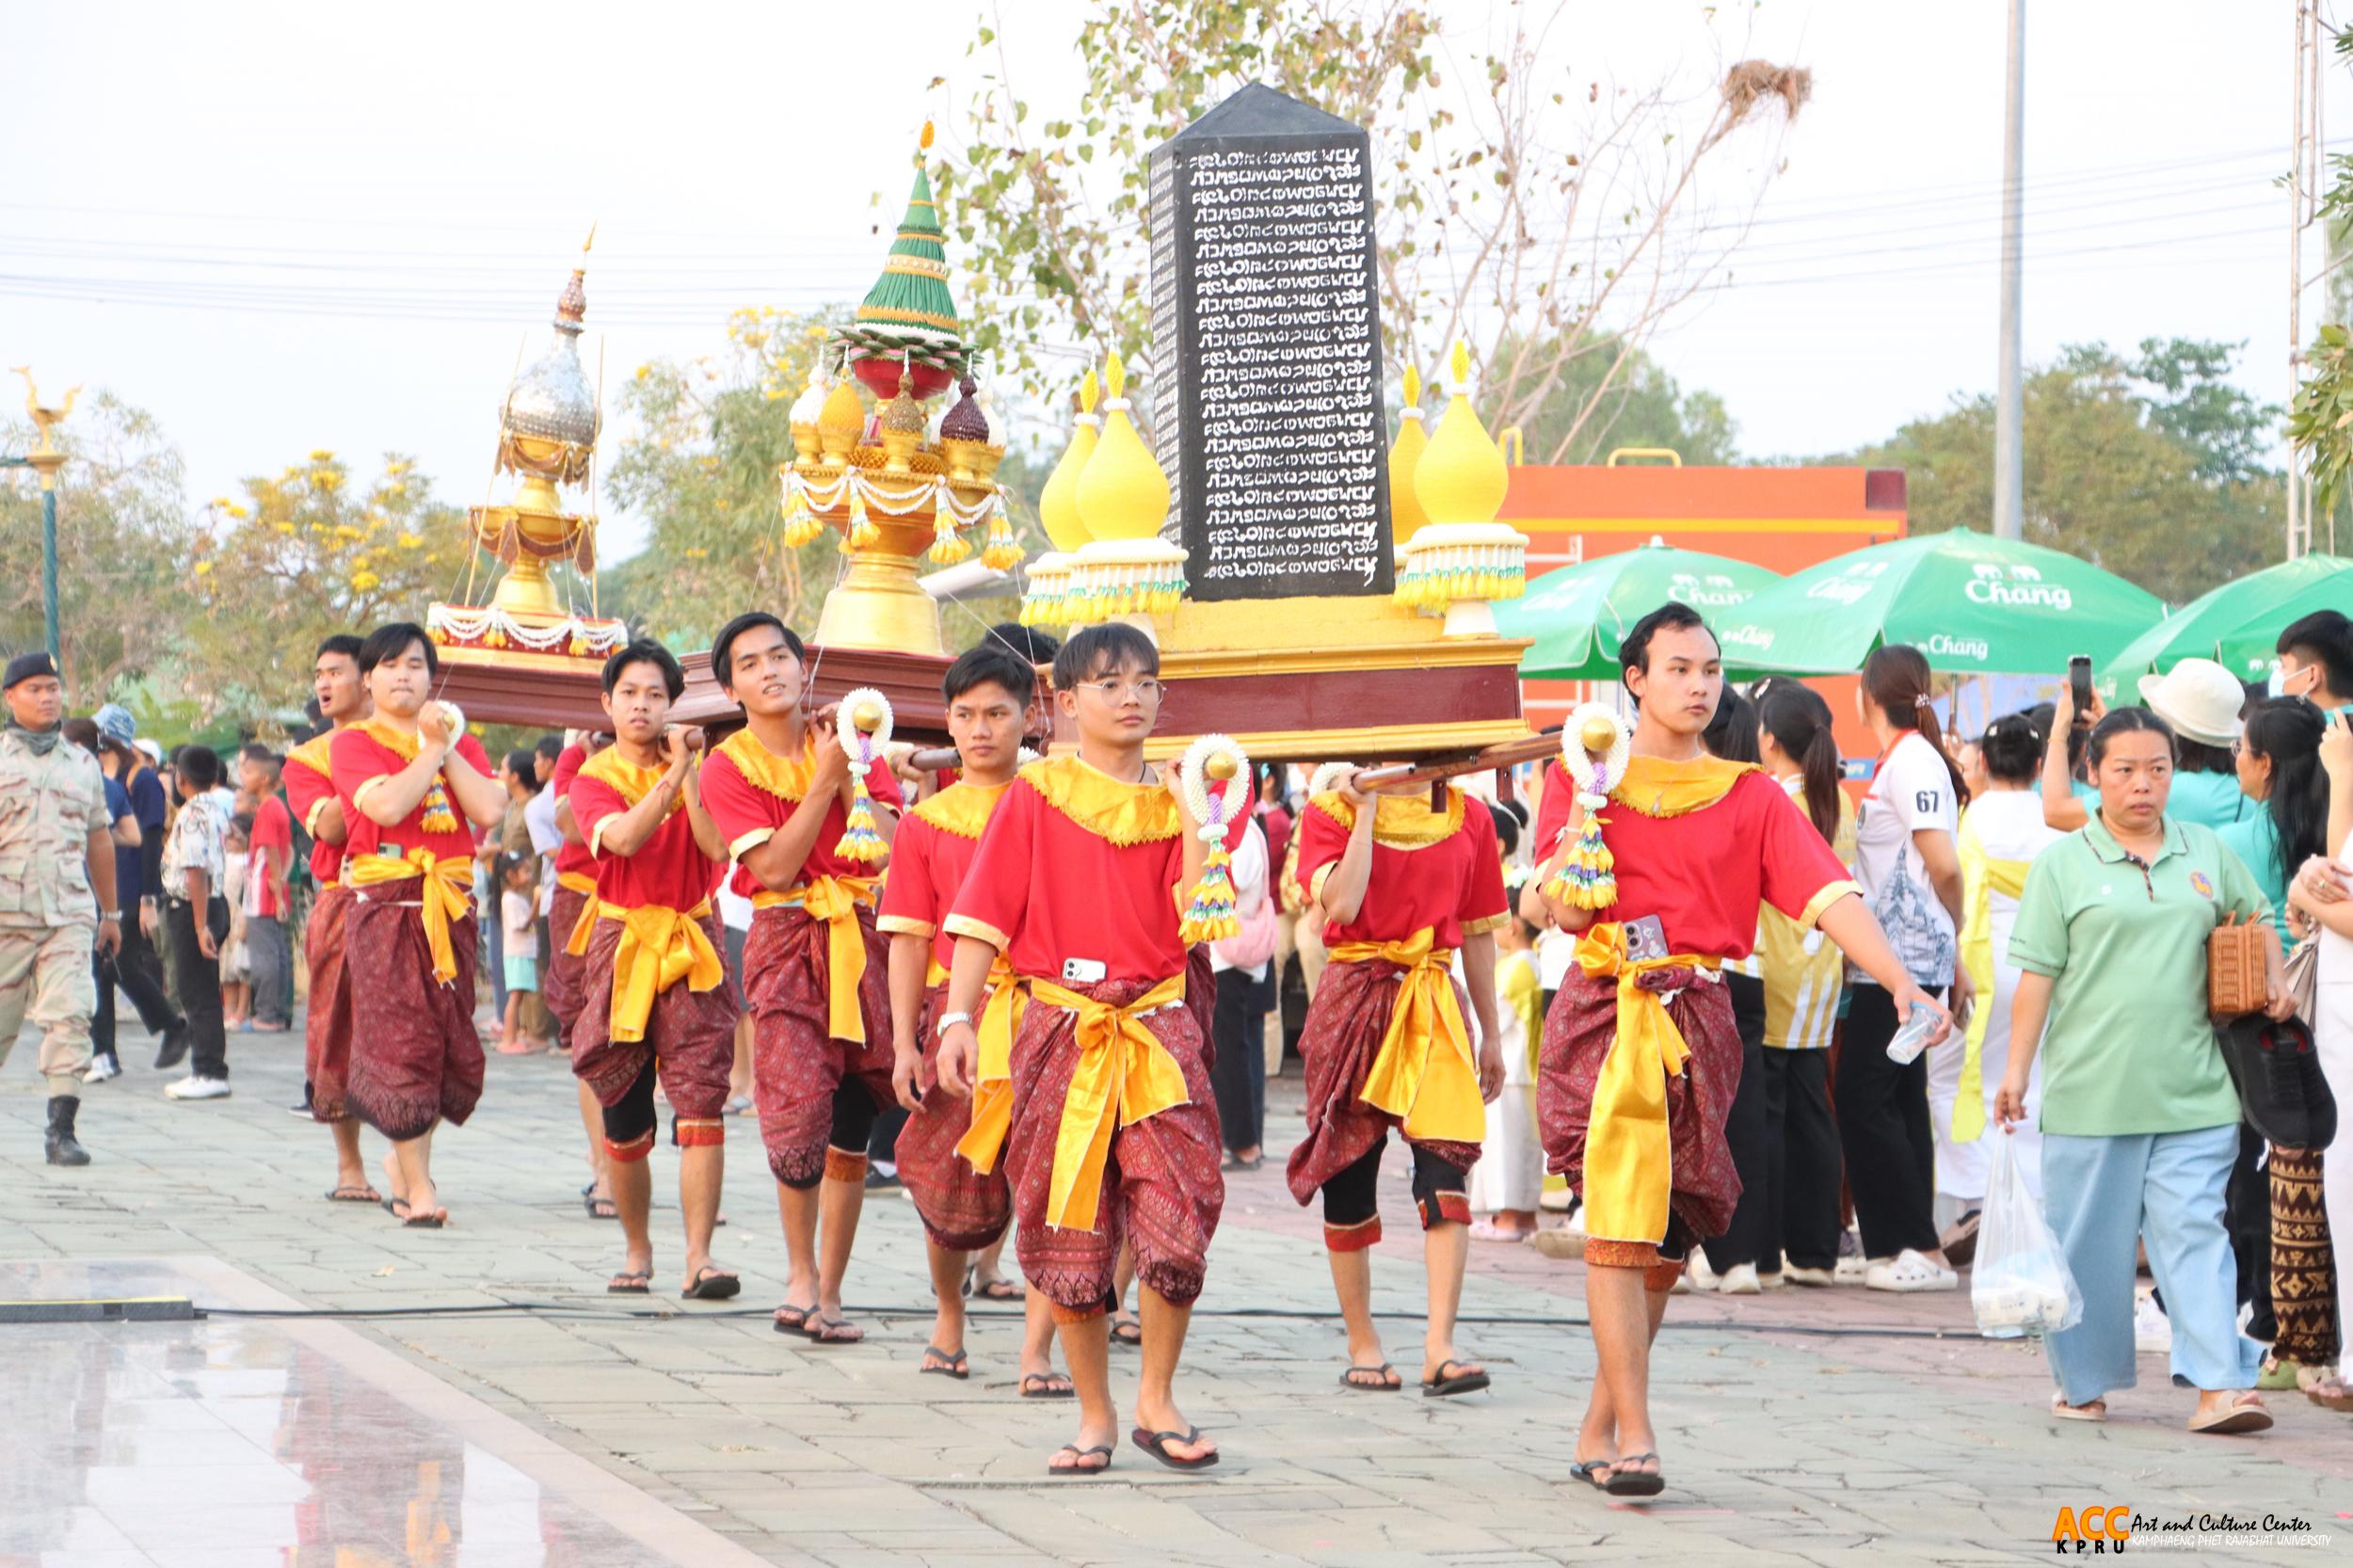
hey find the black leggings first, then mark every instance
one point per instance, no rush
(1748, 1137)
(853, 1115)
(1883, 1126)
(1352, 1197)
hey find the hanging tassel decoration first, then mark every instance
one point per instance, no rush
(863, 722)
(1210, 915)
(999, 554)
(861, 533)
(801, 526)
(948, 546)
(1595, 746)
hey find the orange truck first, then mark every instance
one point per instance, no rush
(1782, 518)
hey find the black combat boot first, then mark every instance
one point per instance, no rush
(63, 1150)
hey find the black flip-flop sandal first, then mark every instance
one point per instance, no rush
(355, 1194)
(1635, 1483)
(972, 1271)
(600, 1209)
(425, 1222)
(1000, 1289)
(821, 1331)
(1156, 1444)
(1584, 1470)
(712, 1285)
(396, 1207)
(1130, 1334)
(1441, 1385)
(1349, 1380)
(1073, 1449)
(795, 1323)
(1045, 1388)
(950, 1366)
(629, 1282)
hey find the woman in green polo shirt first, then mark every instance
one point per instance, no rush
(2139, 1123)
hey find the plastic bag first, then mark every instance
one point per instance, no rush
(2021, 1284)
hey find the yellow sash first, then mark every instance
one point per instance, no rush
(835, 900)
(660, 946)
(992, 1077)
(1124, 1074)
(1424, 1072)
(1982, 876)
(1629, 1167)
(445, 893)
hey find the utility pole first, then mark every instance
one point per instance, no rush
(2010, 458)
(2304, 191)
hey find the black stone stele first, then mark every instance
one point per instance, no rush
(1266, 393)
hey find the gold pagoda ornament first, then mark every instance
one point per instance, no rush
(548, 430)
(907, 484)
(1460, 560)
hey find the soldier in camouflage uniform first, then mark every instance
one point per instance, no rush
(56, 880)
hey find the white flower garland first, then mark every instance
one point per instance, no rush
(1195, 783)
(467, 624)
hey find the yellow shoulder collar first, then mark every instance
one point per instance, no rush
(1400, 822)
(962, 808)
(1657, 788)
(316, 753)
(626, 779)
(1123, 813)
(786, 777)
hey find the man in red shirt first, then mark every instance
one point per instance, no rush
(326, 1023)
(1402, 889)
(403, 778)
(572, 907)
(1640, 1056)
(1113, 1132)
(815, 969)
(271, 844)
(657, 1002)
(950, 1165)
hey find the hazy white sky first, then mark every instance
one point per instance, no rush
(289, 226)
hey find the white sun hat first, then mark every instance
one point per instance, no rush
(2200, 699)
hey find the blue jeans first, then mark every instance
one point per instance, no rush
(2165, 1189)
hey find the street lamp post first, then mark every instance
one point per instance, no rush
(45, 460)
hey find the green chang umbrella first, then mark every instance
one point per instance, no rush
(1972, 605)
(1578, 613)
(2240, 623)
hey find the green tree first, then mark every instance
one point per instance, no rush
(1641, 405)
(306, 553)
(1518, 206)
(122, 547)
(2136, 480)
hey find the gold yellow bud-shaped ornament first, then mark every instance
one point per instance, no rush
(1058, 504)
(1124, 568)
(1460, 559)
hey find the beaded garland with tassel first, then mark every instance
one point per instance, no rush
(863, 722)
(1209, 917)
(1595, 746)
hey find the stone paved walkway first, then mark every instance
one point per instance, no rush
(1825, 1428)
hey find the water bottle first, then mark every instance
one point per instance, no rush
(1913, 1038)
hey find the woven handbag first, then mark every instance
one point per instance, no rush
(2236, 984)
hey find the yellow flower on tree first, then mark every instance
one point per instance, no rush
(362, 581)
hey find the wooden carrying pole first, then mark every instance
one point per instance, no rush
(937, 759)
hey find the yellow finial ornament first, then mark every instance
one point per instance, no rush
(1405, 514)
(926, 140)
(1058, 504)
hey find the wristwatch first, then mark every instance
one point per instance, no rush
(114, 915)
(940, 1028)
